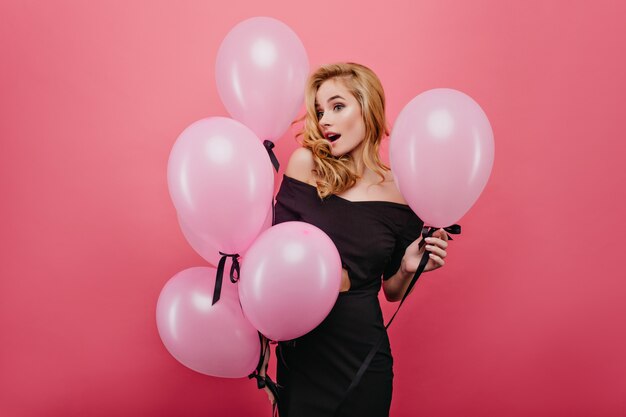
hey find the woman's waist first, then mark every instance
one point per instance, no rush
(357, 308)
(362, 288)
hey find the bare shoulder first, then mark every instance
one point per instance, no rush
(301, 165)
(390, 190)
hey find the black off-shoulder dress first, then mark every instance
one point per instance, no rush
(315, 370)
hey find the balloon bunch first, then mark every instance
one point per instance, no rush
(221, 183)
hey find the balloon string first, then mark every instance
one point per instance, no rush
(234, 269)
(426, 232)
(269, 145)
(234, 274)
(265, 381)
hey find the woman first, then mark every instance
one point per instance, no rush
(338, 183)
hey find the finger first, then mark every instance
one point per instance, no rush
(438, 242)
(437, 251)
(438, 232)
(440, 262)
(442, 234)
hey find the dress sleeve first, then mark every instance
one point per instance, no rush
(285, 209)
(410, 232)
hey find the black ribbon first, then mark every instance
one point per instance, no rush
(269, 145)
(265, 381)
(426, 232)
(234, 273)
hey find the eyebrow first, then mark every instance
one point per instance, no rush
(330, 99)
(334, 97)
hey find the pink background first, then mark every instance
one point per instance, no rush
(527, 319)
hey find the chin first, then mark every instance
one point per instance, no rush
(338, 150)
(337, 153)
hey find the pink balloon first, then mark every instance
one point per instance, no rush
(261, 70)
(202, 243)
(211, 339)
(441, 154)
(221, 182)
(290, 280)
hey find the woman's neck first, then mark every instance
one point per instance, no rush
(357, 158)
(365, 174)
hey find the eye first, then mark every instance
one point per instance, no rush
(338, 107)
(319, 114)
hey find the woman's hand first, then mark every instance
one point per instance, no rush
(266, 359)
(270, 396)
(396, 286)
(436, 245)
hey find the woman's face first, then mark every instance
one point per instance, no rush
(339, 116)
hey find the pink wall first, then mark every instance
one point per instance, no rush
(528, 317)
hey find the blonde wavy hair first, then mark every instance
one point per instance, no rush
(337, 174)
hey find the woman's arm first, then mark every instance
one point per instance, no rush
(395, 287)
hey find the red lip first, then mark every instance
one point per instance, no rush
(332, 136)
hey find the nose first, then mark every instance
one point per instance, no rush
(325, 119)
